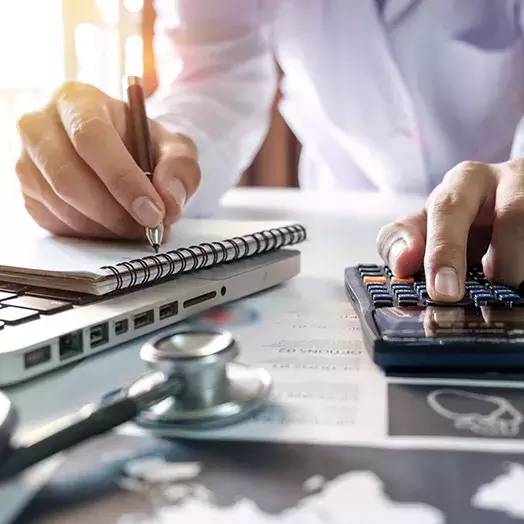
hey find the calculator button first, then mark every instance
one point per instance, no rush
(375, 285)
(402, 296)
(461, 303)
(508, 298)
(404, 280)
(515, 303)
(397, 285)
(383, 303)
(375, 278)
(384, 294)
(486, 301)
(407, 302)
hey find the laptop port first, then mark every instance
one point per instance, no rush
(37, 356)
(70, 345)
(121, 326)
(98, 335)
(168, 310)
(144, 319)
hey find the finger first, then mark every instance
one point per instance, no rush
(62, 218)
(69, 176)
(87, 121)
(46, 219)
(451, 210)
(401, 244)
(504, 260)
(176, 176)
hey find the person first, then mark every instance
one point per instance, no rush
(420, 96)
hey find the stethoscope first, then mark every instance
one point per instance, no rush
(194, 384)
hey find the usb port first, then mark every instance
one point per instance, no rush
(98, 335)
(37, 356)
(168, 310)
(70, 345)
(144, 319)
(121, 326)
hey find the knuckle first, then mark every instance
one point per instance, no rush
(21, 167)
(85, 132)
(185, 141)
(62, 182)
(27, 123)
(468, 171)
(517, 165)
(387, 235)
(447, 203)
(119, 182)
(69, 89)
(510, 216)
(443, 254)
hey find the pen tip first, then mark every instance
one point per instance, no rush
(156, 247)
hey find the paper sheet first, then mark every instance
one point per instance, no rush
(327, 389)
(340, 444)
(44, 252)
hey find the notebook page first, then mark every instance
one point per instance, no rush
(42, 253)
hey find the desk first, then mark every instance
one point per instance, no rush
(407, 483)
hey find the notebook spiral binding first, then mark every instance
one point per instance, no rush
(139, 271)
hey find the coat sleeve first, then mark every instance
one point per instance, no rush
(217, 81)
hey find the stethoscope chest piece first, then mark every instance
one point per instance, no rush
(208, 389)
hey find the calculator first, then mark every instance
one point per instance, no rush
(403, 329)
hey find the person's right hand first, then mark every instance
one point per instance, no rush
(78, 177)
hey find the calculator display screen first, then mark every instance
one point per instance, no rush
(450, 322)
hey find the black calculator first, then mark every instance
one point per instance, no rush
(404, 329)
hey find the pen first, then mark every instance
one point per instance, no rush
(142, 144)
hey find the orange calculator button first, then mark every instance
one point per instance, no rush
(378, 279)
(405, 280)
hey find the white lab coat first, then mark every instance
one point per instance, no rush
(380, 101)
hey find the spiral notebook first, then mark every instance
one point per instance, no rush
(101, 267)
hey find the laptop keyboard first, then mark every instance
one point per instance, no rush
(20, 304)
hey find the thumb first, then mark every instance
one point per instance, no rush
(177, 174)
(402, 244)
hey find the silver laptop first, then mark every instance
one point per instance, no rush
(49, 328)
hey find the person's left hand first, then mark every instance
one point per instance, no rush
(476, 215)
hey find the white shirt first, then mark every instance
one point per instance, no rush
(381, 100)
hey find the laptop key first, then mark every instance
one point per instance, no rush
(63, 296)
(15, 315)
(45, 306)
(10, 287)
(4, 295)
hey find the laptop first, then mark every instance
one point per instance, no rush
(46, 327)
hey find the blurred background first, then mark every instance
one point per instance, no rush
(44, 42)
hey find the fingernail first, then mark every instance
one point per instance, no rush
(177, 191)
(446, 282)
(147, 212)
(398, 247)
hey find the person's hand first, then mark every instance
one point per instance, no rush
(476, 215)
(78, 177)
